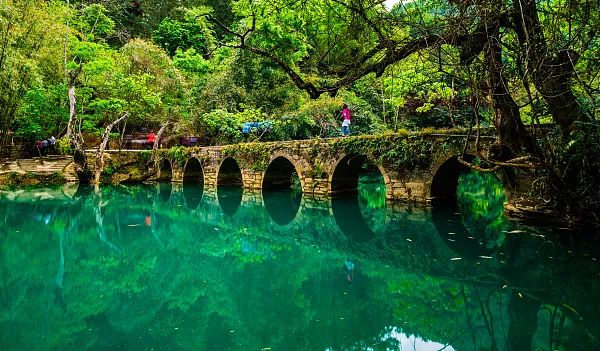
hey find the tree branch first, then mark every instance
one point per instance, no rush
(102, 146)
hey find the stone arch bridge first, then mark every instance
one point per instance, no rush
(415, 167)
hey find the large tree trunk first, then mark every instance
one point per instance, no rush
(162, 129)
(102, 147)
(71, 134)
(507, 120)
(551, 70)
(152, 167)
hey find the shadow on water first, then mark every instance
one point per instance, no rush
(99, 260)
(192, 194)
(449, 225)
(230, 198)
(361, 214)
(164, 191)
(282, 205)
(349, 218)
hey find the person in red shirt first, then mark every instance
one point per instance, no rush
(151, 139)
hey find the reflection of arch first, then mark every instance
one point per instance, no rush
(192, 172)
(449, 225)
(229, 186)
(164, 191)
(445, 212)
(165, 172)
(193, 183)
(281, 202)
(282, 206)
(192, 194)
(344, 178)
(229, 173)
(346, 210)
(230, 198)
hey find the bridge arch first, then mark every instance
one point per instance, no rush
(193, 171)
(281, 201)
(165, 171)
(229, 186)
(468, 235)
(343, 177)
(349, 211)
(280, 171)
(445, 178)
(229, 173)
(193, 183)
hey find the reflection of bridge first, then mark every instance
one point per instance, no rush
(187, 218)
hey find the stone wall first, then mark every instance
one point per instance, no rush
(408, 171)
(51, 169)
(315, 162)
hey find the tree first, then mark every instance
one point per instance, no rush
(517, 57)
(30, 34)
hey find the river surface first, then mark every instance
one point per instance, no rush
(174, 267)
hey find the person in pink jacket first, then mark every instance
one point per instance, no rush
(346, 120)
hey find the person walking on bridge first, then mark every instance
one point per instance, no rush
(150, 140)
(346, 120)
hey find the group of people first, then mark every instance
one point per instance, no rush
(46, 146)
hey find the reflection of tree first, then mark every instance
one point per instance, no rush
(277, 287)
(371, 198)
(100, 229)
(480, 198)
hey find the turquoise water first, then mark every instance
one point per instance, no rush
(172, 267)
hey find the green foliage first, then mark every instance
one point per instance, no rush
(179, 154)
(145, 156)
(255, 156)
(481, 198)
(42, 114)
(93, 22)
(191, 61)
(110, 168)
(372, 200)
(397, 150)
(173, 35)
(579, 162)
(64, 145)
(223, 126)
